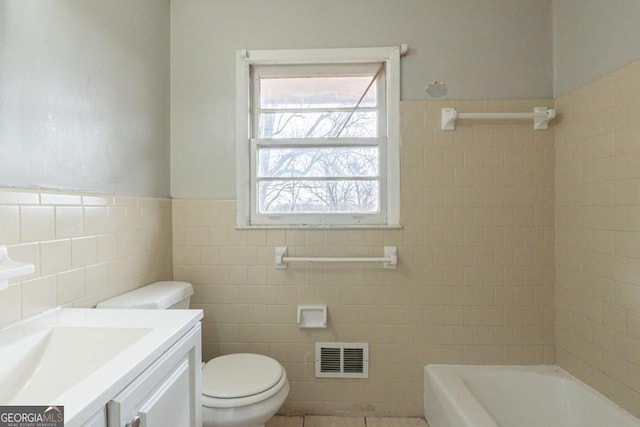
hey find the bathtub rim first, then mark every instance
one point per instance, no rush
(442, 406)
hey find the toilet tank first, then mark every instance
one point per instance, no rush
(158, 295)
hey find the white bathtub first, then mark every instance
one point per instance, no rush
(515, 396)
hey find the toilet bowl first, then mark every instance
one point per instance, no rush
(241, 390)
(238, 390)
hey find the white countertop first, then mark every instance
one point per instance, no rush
(90, 394)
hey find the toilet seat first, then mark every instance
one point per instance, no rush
(240, 379)
(217, 403)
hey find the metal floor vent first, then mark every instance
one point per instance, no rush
(342, 360)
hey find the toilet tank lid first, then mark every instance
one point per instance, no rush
(158, 295)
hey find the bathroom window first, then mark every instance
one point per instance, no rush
(318, 138)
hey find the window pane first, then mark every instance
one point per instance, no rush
(316, 92)
(362, 124)
(318, 196)
(318, 162)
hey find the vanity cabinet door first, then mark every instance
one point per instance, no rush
(167, 394)
(168, 405)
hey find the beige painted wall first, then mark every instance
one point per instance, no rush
(84, 95)
(494, 49)
(474, 285)
(598, 234)
(85, 247)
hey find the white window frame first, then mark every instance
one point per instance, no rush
(246, 211)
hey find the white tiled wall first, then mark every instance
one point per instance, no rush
(85, 247)
(474, 285)
(598, 235)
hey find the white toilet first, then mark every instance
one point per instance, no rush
(238, 390)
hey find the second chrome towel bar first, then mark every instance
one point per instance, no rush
(541, 117)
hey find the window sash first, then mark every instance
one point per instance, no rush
(318, 218)
(336, 69)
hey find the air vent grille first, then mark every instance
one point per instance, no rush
(353, 360)
(342, 360)
(329, 359)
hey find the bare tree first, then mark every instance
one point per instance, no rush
(305, 190)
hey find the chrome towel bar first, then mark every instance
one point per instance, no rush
(389, 260)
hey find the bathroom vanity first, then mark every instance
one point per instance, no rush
(106, 367)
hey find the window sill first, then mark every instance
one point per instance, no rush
(320, 227)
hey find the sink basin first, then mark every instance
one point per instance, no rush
(81, 358)
(37, 369)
